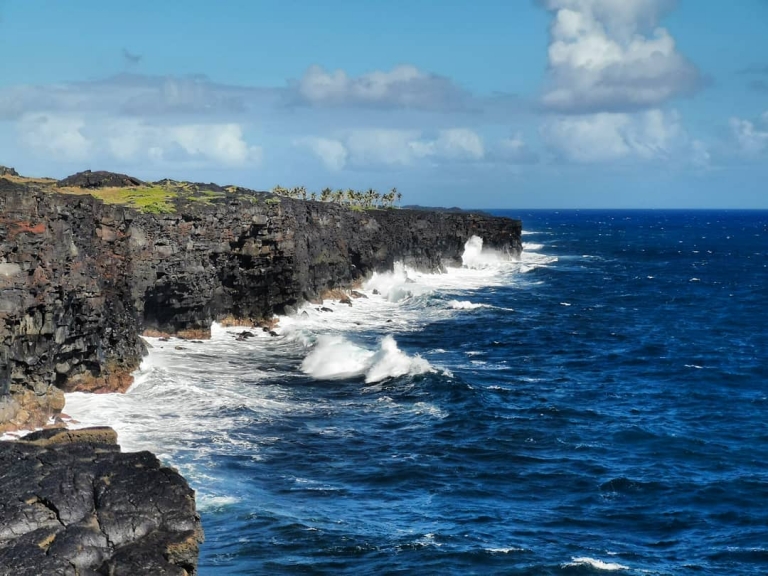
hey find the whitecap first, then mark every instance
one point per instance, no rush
(207, 502)
(594, 563)
(465, 305)
(336, 358)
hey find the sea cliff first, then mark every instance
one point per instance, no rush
(82, 278)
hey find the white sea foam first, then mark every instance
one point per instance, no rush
(475, 256)
(336, 358)
(596, 564)
(465, 305)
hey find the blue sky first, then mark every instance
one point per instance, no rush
(507, 104)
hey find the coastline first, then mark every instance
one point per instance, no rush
(83, 280)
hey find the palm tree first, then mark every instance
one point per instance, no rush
(313, 196)
(325, 194)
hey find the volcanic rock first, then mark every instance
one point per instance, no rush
(72, 504)
(99, 179)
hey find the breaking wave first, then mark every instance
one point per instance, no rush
(336, 358)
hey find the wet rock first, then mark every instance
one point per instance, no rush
(325, 309)
(71, 503)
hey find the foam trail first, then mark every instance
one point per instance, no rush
(465, 305)
(595, 564)
(336, 358)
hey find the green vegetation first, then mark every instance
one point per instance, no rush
(156, 198)
(149, 199)
(355, 199)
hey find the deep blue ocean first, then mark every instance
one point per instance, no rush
(600, 405)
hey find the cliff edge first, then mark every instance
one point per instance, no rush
(81, 278)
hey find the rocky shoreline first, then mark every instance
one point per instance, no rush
(72, 504)
(82, 278)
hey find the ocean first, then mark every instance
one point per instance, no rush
(599, 405)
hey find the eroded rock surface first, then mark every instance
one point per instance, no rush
(72, 504)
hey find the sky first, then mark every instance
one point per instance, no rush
(471, 103)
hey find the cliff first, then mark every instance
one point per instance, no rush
(81, 279)
(87, 265)
(72, 504)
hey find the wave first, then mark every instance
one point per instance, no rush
(465, 305)
(595, 564)
(336, 358)
(475, 256)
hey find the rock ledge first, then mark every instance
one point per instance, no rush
(72, 504)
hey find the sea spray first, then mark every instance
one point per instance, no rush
(336, 358)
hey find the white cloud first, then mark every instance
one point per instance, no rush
(388, 147)
(752, 137)
(606, 137)
(60, 137)
(130, 141)
(332, 152)
(515, 150)
(404, 86)
(610, 55)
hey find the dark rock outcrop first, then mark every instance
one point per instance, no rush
(72, 504)
(80, 280)
(6, 171)
(66, 314)
(99, 179)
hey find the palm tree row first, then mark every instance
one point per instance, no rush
(354, 198)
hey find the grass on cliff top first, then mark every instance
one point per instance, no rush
(149, 199)
(152, 198)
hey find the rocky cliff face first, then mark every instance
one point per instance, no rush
(80, 280)
(72, 504)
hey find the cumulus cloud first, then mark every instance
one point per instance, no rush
(515, 150)
(395, 148)
(59, 137)
(611, 56)
(752, 137)
(605, 137)
(402, 87)
(130, 141)
(370, 148)
(332, 153)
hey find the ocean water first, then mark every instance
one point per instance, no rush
(600, 405)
